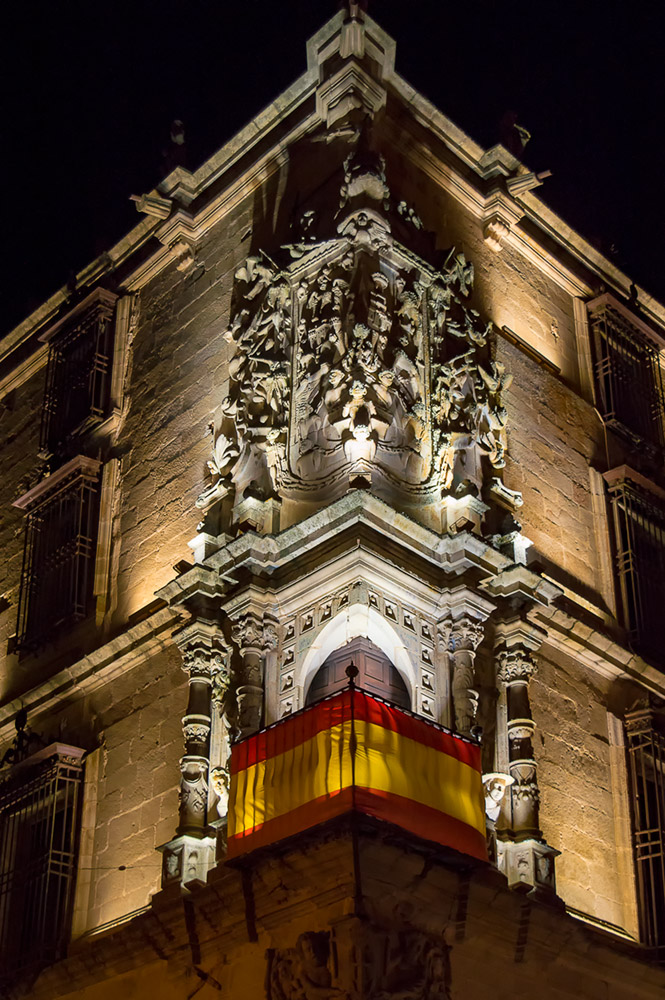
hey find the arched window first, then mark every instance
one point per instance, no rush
(376, 674)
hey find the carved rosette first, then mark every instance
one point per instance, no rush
(352, 355)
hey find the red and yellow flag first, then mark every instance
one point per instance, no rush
(353, 752)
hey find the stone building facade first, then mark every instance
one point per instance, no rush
(349, 382)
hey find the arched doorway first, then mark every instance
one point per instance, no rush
(376, 674)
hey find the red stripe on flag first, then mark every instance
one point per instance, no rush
(294, 731)
(310, 814)
(421, 820)
(424, 821)
(291, 732)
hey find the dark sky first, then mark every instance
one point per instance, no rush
(88, 90)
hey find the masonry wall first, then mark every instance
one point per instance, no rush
(20, 413)
(578, 812)
(179, 378)
(130, 726)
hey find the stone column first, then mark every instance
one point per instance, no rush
(253, 636)
(191, 853)
(465, 636)
(462, 632)
(525, 858)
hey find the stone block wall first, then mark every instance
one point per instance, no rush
(577, 810)
(20, 413)
(131, 727)
(178, 380)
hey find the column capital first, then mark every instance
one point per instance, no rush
(253, 632)
(514, 665)
(204, 651)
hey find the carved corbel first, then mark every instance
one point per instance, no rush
(495, 231)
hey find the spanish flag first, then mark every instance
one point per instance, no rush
(352, 752)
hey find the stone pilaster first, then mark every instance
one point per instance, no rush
(205, 660)
(254, 636)
(526, 859)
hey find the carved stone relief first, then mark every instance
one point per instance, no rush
(354, 356)
(361, 962)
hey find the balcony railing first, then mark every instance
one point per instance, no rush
(40, 808)
(628, 362)
(59, 554)
(638, 509)
(78, 376)
(646, 763)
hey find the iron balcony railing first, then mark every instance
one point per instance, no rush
(646, 763)
(40, 811)
(78, 376)
(59, 554)
(628, 370)
(639, 535)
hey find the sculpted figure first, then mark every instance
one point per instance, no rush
(302, 973)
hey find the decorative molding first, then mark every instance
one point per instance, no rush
(81, 466)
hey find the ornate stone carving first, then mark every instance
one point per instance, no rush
(372, 962)
(357, 356)
(515, 665)
(193, 791)
(495, 785)
(220, 781)
(254, 636)
(462, 636)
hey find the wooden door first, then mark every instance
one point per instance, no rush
(376, 674)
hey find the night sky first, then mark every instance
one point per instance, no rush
(88, 91)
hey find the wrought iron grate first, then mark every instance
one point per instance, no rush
(78, 376)
(646, 765)
(639, 533)
(40, 811)
(629, 376)
(59, 560)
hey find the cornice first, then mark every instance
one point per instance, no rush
(595, 650)
(99, 667)
(268, 553)
(81, 465)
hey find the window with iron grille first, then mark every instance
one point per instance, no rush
(59, 555)
(646, 769)
(638, 519)
(40, 813)
(628, 360)
(78, 376)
